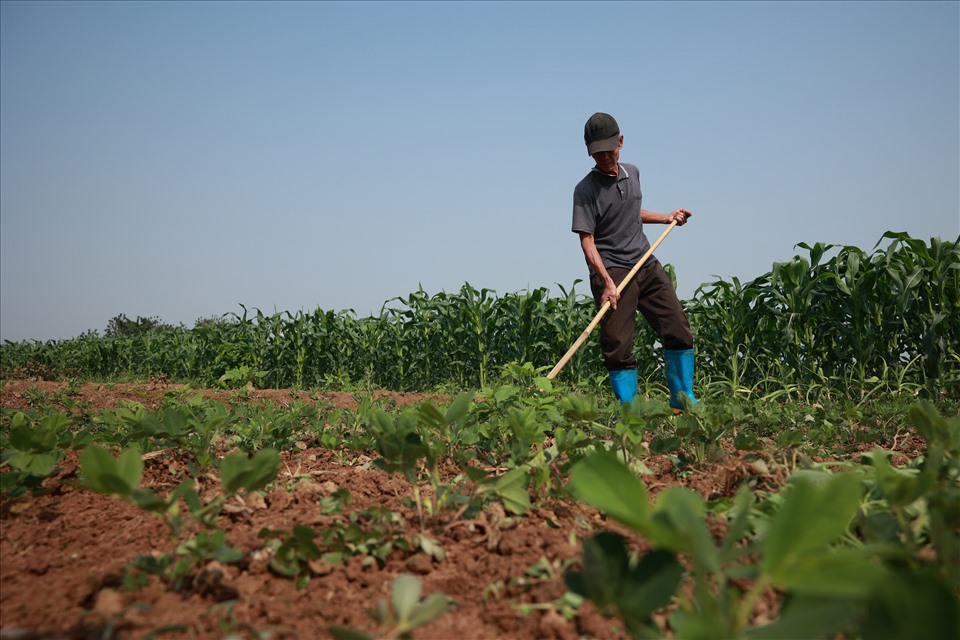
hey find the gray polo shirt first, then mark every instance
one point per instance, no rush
(608, 208)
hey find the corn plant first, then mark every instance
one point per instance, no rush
(837, 319)
(841, 321)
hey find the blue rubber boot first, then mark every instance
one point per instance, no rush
(679, 376)
(624, 383)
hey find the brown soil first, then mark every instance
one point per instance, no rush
(62, 555)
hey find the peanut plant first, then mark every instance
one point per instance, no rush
(121, 477)
(847, 562)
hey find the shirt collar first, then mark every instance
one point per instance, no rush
(623, 172)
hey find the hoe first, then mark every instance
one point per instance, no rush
(606, 305)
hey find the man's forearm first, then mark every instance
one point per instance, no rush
(592, 256)
(679, 216)
(589, 246)
(649, 217)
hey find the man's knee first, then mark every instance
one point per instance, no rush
(677, 336)
(678, 343)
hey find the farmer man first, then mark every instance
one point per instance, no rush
(609, 219)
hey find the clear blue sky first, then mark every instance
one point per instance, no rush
(179, 159)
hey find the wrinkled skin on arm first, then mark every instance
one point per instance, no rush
(592, 256)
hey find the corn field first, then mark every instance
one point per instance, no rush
(838, 317)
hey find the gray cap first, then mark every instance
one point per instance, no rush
(601, 133)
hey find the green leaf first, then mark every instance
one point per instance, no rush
(429, 414)
(740, 519)
(148, 501)
(102, 472)
(577, 408)
(661, 444)
(684, 510)
(806, 617)
(459, 408)
(650, 585)
(912, 604)
(648, 409)
(746, 441)
(900, 487)
(690, 624)
(228, 555)
(605, 562)
(250, 474)
(935, 429)
(430, 547)
(36, 464)
(130, 467)
(26, 438)
(405, 594)
(113, 484)
(813, 515)
(345, 633)
(511, 488)
(475, 474)
(846, 573)
(95, 460)
(234, 469)
(544, 384)
(505, 392)
(435, 605)
(264, 468)
(603, 482)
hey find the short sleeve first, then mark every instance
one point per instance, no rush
(584, 213)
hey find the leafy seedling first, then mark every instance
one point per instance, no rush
(402, 614)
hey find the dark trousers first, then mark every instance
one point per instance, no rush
(652, 294)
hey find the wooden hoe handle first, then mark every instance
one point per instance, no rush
(606, 305)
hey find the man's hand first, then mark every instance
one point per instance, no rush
(679, 216)
(610, 294)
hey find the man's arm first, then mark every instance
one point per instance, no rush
(680, 215)
(596, 265)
